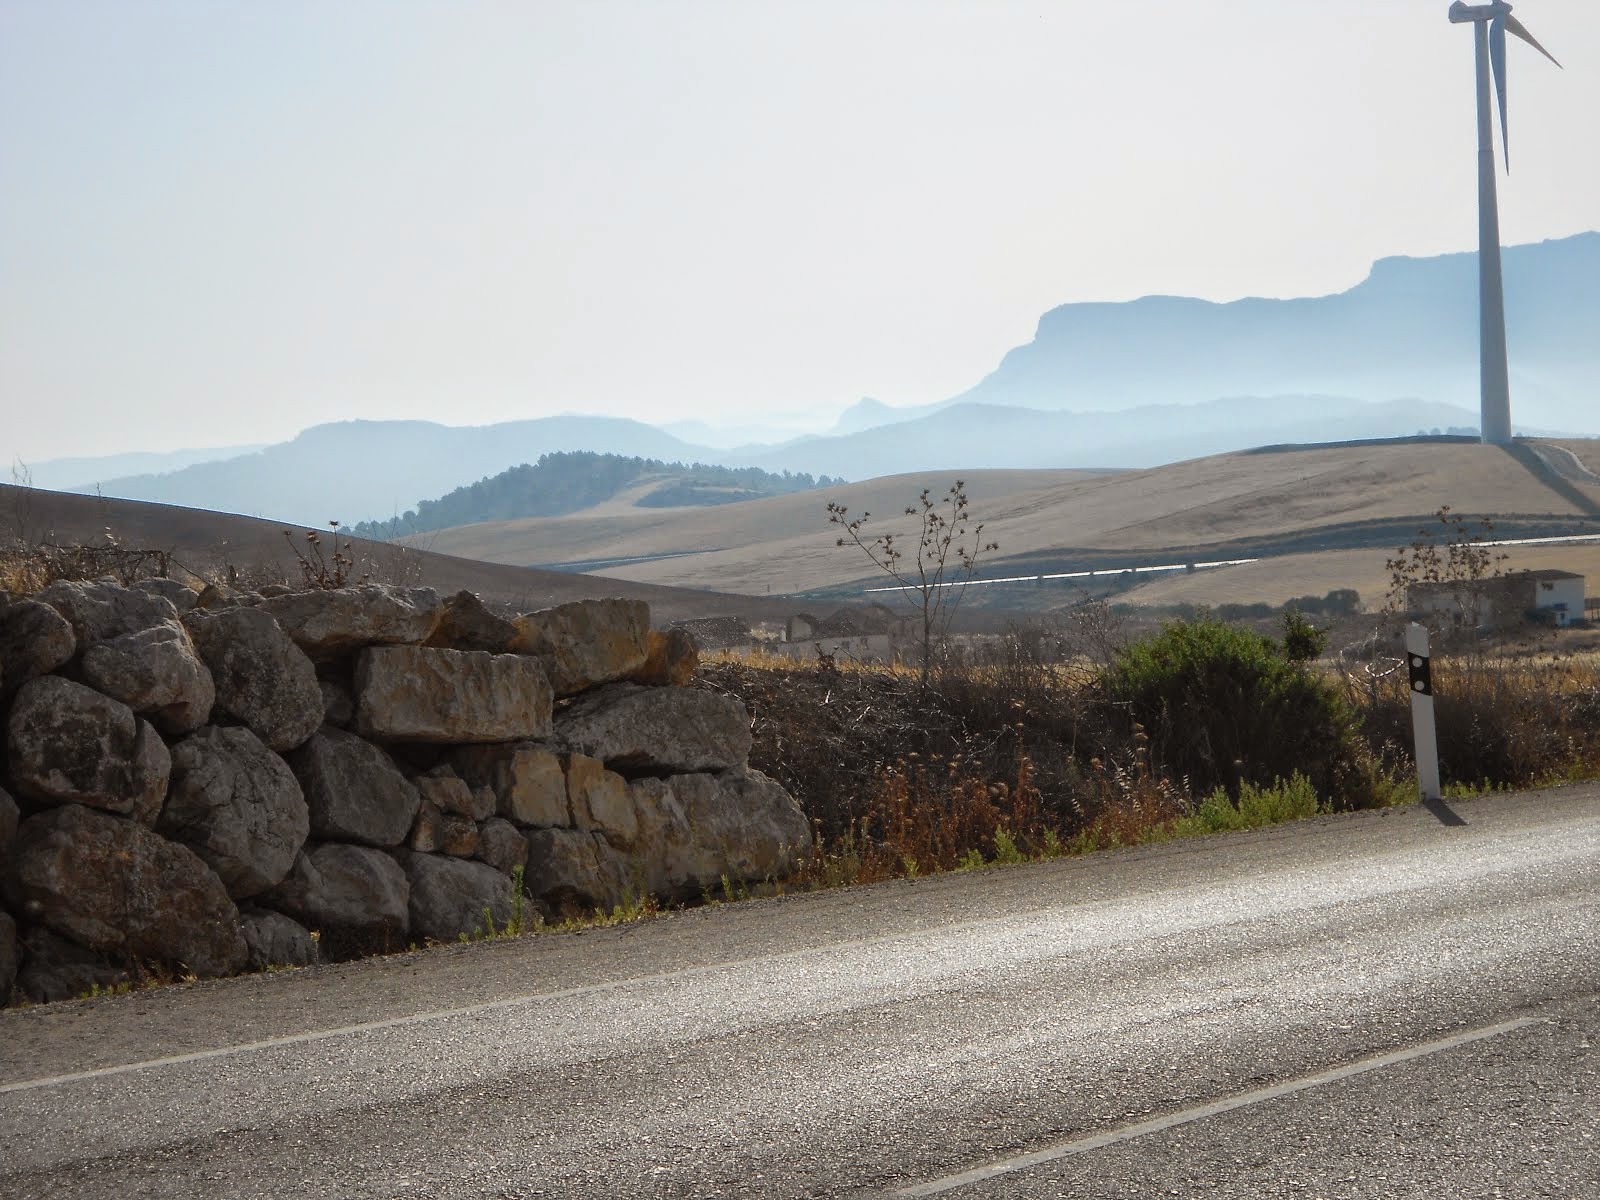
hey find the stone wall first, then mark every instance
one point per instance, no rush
(210, 783)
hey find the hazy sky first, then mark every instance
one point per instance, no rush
(222, 222)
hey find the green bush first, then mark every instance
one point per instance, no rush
(1224, 707)
(1255, 807)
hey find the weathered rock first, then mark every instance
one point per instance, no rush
(465, 624)
(116, 887)
(275, 940)
(694, 830)
(641, 730)
(10, 815)
(354, 896)
(98, 611)
(501, 845)
(68, 744)
(263, 680)
(458, 835)
(338, 705)
(54, 968)
(182, 598)
(426, 829)
(238, 806)
(448, 792)
(449, 896)
(574, 871)
(354, 790)
(419, 694)
(587, 642)
(327, 624)
(599, 800)
(34, 640)
(8, 956)
(529, 785)
(671, 660)
(154, 671)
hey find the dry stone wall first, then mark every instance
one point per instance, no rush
(211, 783)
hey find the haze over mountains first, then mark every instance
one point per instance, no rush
(1101, 385)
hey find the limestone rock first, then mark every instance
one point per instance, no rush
(8, 956)
(99, 611)
(600, 800)
(115, 887)
(420, 694)
(465, 624)
(34, 640)
(354, 790)
(696, 829)
(263, 680)
(327, 624)
(448, 792)
(53, 968)
(182, 598)
(154, 671)
(275, 940)
(354, 896)
(574, 871)
(587, 642)
(529, 785)
(68, 744)
(10, 815)
(501, 845)
(671, 661)
(238, 806)
(658, 731)
(449, 896)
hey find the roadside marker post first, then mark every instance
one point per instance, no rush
(1426, 737)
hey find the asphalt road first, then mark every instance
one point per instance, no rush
(1382, 1005)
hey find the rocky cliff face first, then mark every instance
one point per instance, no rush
(210, 783)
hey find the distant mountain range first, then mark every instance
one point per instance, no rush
(1101, 385)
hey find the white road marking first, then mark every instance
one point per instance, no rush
(1111, 1137)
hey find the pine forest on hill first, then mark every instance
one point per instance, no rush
(571, 481)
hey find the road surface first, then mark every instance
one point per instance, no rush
(1379, 1005)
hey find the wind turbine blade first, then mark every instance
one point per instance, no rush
(1497, 58)
(1521, 30)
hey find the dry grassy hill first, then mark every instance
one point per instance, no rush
(1326, 515)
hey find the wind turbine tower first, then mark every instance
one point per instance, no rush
(1491, 23)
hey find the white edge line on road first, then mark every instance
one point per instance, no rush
(1125, 1133)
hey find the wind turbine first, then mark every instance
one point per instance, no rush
(1491, 23)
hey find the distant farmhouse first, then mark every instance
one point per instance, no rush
(1503, 601)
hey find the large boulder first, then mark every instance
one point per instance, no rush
(99, 611)
(465, 624)
(35, 639)
(600, 800)
(420, 694)
(154, 671)
(263, 680)
(354, 790)
(575, 871)
(115, 887)
(671, 659)
(449, 793)
(528, 783)
(501, 845)
(587, 642)
(68, 744)
(183, 598)
(657, 731)
(328, 624)
(238, 806)
(275, 940)
(10, 816)
(696, 830)
(355, 897)
(452, 896)
(53, 968)
(8, 956)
